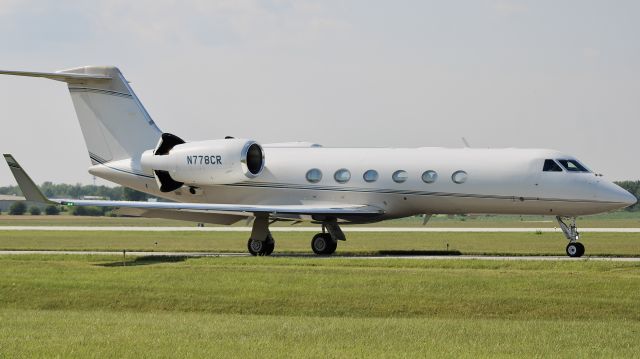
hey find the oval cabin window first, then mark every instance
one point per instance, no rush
(342, 175)
(429, 176)
(400, 176)
(314, 175)
(459, 177)
(370, 176)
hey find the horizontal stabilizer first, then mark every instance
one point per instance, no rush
(59, 76)
(27, 186)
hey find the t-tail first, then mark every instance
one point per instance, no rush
(114, 123)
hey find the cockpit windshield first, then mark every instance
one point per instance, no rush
(551, 166)
(573, 166)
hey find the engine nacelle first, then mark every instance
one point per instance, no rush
(204, 163)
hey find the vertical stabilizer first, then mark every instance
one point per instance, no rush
(114, 123)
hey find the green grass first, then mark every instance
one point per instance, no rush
(620, 219)
(75, 221)
(616, 244)
(90, 306)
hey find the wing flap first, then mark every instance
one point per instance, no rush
(182, 215)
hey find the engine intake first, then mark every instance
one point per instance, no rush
(252, 159)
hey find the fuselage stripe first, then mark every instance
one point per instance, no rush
(104, 163)
(99, 91)
(408, 192)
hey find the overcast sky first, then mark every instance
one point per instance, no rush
(550, 74)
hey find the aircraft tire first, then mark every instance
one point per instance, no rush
(323, 244)
(333, 245)
(580, 248)
(261, 248)
(271, 245)
(575, 249)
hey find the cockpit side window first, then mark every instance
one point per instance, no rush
(551, 166)
(573, 166)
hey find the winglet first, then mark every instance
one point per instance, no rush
(27, 186)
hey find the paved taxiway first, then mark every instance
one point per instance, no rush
(427, 257)
(309, 229)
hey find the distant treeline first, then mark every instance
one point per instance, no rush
(78, 191)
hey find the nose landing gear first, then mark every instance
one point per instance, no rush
(574, 249)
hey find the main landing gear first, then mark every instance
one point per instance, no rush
(574, 248)
(325, 244)
(261, 242)
(261, 248)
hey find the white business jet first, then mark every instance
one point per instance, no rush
(226, 180)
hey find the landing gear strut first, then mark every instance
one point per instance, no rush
(574, 248)
(326, 243)
(261, 242)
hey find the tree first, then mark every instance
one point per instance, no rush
(62, 190)
(52, 210)
(35, 210)
(18, 208)
(133, 195)
(10, 190)
(88, 211)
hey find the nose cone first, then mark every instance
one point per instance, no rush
(611, 192)
(631, 199)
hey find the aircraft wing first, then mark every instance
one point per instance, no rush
(185, 215)
(33, 193)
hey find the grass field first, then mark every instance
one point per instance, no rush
(87, 306)
(92, 306)
(615, 244)
(619, 219)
